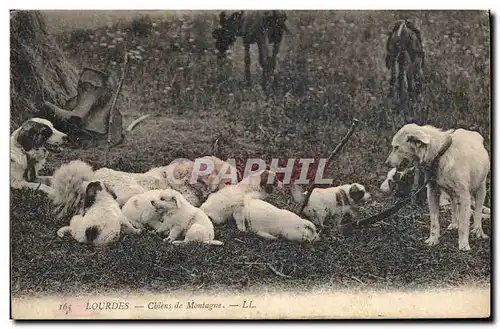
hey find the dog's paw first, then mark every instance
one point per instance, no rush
(432, 241)
(452, 226)
(478, 232)
(464, 246)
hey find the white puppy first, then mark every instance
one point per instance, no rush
(29, 147)
(332, 201)
(270, 222)
(102, 219)
(183, 219)
(461, 171)
(141, 212)
(221, 205)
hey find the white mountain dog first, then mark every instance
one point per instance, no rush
(272, 223)
(30, 145)
(461, 171)
(101, 220)
(332, 201)
(182, 219)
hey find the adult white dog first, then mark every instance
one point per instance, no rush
(332, 201)
(29, 147)
(181, 218)
(221, 205)
(270, 222)
(101, 220)
(461, 171)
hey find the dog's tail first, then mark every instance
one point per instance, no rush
(298, 193)
(67, 183)
(91, 233)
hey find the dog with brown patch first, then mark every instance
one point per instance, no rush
(29, 147)
(101, 219)
(332, 201)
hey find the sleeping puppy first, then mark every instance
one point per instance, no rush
(183, 219)
(272, 223)
(221, 205)
(461, 171)
(333, 201)
(141, 212)
(101, 219)
(29, 147)
(125, 184)
(399, 183)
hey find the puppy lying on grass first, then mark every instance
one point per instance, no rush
(183, 219)
(101, 221)
(334, 201)
(141, 212)
(270, 222)
(221, 205)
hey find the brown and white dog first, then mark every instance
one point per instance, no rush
(30, 145)
(101, 220)
(461, 172)
(260, 27)
(332, 201)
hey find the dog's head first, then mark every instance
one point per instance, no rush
(398, 182)
(36, 133)
(266, 179)
(225, 35)
(408, 146)
(310, 232)
(167, 200)
(357, 193)
(93, 190)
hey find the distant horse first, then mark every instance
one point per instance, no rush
(405, 60)
(260, 27)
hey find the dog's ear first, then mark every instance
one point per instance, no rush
(419, 137)
(90, 193)
(110, 191)
(177, 201)
(356, 193)
(33, 135)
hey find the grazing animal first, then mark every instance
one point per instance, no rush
(399, 183)
(405, 58)
(221, 205)
(141, 212)
(334, 201)
(181, 218)
(101, 220)
(29, 147)
(270, 222)
(461, 172)
(260, 27)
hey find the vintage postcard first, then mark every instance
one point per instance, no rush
(244, 164)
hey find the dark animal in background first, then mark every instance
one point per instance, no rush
(405, 59)
(260, 27)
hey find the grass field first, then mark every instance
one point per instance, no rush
(331, 69)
